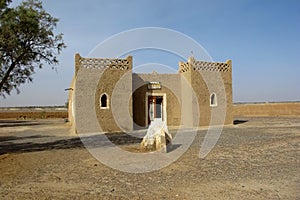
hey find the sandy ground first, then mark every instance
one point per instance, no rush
(258, 158)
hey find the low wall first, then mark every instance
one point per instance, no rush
(239, 109)
(33, 113)
(267, 109)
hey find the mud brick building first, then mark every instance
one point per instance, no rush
(107, 96)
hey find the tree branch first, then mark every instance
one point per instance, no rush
(7, 73)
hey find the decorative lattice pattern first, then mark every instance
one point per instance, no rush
(210, 66)
(184, 67)
(96, 63)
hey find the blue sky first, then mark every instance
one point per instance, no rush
(261, 37)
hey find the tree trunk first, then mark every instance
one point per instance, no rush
(12, 66)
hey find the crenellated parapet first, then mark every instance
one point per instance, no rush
(103, 63)
(204, 66)
(183, 67)
(211, 66)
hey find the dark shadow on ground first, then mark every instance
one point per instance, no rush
(236, 122)
(11, 138)
(123, 138)
(11, 144)
(14, 123)
(11, 147)
(172, 147)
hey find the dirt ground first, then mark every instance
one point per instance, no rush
(257, 158)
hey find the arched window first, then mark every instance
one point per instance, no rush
(213, 100)
(104, 101)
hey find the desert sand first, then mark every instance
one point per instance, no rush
(257, 158)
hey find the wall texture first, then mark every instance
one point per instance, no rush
(209, 78)
(33, 113)
(94, 77)
(170, 87)
(267, 109)
(114, 118)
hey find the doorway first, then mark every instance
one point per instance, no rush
(155, 107)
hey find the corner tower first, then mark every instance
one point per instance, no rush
(93, 90)
(212, 84)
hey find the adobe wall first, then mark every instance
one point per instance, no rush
(107, 85)
(71, 114)
(207, 78)
(33, 113)
(267, 109)
(93, 77)
(170, 86)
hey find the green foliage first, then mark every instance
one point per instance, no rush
(27, 41)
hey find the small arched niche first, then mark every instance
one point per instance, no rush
(213, 100)
(104, 102)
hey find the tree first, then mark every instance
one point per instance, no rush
(27, 41)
